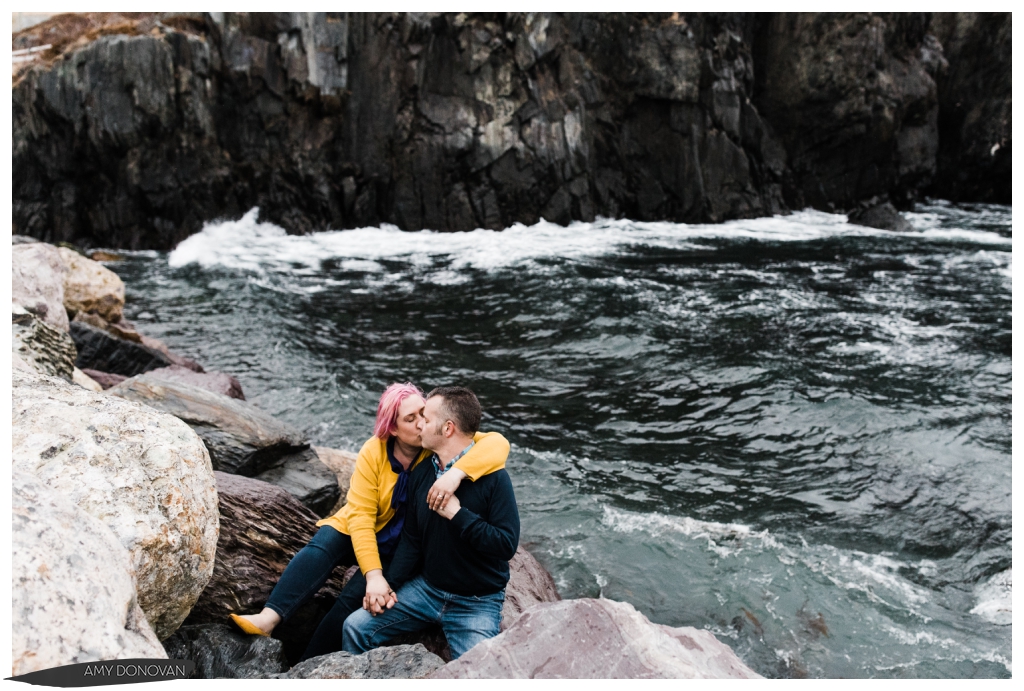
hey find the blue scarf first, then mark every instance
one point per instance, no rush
(388, 536)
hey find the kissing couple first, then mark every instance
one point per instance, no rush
(431, 520)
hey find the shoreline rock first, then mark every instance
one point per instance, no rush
(91, 287)
(145, 475)
(74, 597)
(101, 351)
(394, 662)
(46, 348)
(38, 278)
(217, 382)
(596, 639)
(262, 526)
(240, 437)
(220, 651)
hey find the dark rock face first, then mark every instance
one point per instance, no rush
(453, 122)
(99, 350)
(308, 479)
(240, 437)
(974, 161)
(884, 216)
(217, 382)
(853, 98)
(221, 652)
(261, 528)
(396, 662)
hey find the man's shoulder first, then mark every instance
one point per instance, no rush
(423, 469)
(499, 479)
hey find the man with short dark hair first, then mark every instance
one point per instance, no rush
(452, 561)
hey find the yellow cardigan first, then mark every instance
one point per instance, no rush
(367, 506)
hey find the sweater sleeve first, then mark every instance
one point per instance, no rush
(498, 536)
(363, 500)
(488, 455)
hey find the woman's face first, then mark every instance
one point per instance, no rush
(410, 414)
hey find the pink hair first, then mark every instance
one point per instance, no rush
(387, 408)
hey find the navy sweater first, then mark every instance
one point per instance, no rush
(467, 555)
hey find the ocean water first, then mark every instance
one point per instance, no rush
(792, 431)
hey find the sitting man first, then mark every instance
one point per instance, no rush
(460, 551)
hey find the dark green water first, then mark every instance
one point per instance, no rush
(793, 431)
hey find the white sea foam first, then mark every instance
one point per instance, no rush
(995, 599)
(246, 244)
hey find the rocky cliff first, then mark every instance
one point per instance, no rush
(133, 132)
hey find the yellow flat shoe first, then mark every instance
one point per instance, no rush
(247, 626)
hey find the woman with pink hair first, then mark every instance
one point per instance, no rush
(367, 529)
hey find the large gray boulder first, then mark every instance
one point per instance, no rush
(395, 662)
(144, 474)
(241, 438)
(596, 639)
(73, 589)
(46, 348)
(38, 282)
(221, 651)
(105, 352)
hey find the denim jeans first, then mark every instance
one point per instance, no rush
(306, 573)
(466, 619)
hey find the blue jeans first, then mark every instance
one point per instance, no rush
(307, 572)
(465, 619)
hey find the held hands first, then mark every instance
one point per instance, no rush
(379, 594)
(443, 489)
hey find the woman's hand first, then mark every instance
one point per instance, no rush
(444, 488)
(379, 594)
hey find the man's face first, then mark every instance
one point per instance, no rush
(432, 435)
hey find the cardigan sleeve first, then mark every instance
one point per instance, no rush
(363, 502)
(488, 454)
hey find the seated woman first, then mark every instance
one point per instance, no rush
(367, 529)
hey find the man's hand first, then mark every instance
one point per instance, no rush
(377, 605)
(451, 508)
(378, 593)
(444, 488)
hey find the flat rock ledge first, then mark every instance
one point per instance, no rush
(241, 438)
(596, 639)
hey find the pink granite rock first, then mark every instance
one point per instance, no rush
(596, 639)
(529, 584)
(217, 382)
